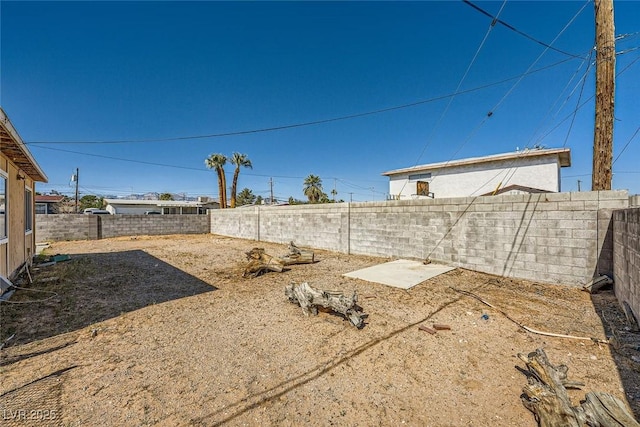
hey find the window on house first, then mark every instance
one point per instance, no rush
(419, 176)
(422, 188)
(28, 210)
(3, 206)
(41, 208)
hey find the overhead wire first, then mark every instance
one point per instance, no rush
(506, 95)
(303, 124)
(575, 111)
(538, 58)
(625, 146)
(585, 102)
(514, 29)
(462, 79)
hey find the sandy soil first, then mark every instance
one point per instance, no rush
(165, 331)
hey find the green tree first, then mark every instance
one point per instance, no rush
(313, 188)
(91, 201)
(166, 196)
(217, 161)
(238, 160)
(324, 198)
(259, 200)
(246, 197)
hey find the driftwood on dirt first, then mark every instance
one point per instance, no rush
(298, 256)
(260, 262)
(546, 396)
(310, 298)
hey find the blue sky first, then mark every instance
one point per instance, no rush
(108, 71)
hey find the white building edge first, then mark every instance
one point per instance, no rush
(164, 207)
(530, 170)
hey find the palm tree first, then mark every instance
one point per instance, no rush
(313, 188)
(217, 161)
(238, 160)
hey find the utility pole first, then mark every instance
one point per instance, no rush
(271, 187)
(334, 192)
(605, 85)
(75, 177)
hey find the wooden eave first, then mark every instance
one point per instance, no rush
(15, 150)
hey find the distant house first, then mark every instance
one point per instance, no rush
(162, 207)
(19, 173)
(46, 204)
(528, 171)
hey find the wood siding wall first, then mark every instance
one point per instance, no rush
(20, 246)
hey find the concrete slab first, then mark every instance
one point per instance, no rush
(401, 273)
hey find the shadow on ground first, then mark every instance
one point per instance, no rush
(90, 288)
(625, 344)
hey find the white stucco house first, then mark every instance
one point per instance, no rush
(527, 171)
(162, 207)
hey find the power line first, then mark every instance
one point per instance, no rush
(504, 97)
(304, 124)
(538, 58)
(575, 111)
(626, 145)
(446, 109)
(512, 28)
(585, 102)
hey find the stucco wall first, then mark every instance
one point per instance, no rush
(555, 237)
(626, 262)
(89, 227)
(473, 180)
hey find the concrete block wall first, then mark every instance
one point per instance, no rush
(152, 225)
(626, 261)
(66, 227)
(553, 237)
(90, 227)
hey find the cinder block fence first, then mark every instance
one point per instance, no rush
(626, 261)
(555, 237)
(90, 227)
(563, 238)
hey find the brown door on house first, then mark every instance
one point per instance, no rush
(422, 188)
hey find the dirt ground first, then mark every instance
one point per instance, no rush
(165, 331)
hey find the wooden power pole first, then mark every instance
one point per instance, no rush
(605, 86)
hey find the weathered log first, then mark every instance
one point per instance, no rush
(260, 262)
(298, 256)
(310, 298)
(546, 396)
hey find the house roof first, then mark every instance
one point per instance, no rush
(563, 154)
(43, 198)
(15, 149)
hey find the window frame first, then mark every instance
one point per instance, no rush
(28, 210)
(420, 176)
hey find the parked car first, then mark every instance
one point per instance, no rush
(96, 211)
(152, 213)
